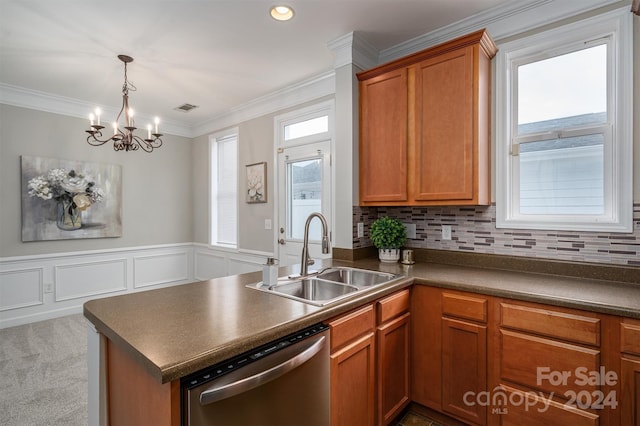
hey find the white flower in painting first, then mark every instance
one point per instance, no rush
(82, 201)
(74, 184)
(255, 185)
(63, 186)
(39, 187)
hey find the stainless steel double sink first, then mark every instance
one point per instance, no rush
(327, 286)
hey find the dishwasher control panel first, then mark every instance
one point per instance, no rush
(224, 367)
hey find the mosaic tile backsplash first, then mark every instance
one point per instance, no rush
(473, 229)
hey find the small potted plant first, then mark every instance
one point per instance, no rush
(388, 235)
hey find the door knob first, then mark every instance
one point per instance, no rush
(281, 241)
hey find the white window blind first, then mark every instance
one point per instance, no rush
(224, 184)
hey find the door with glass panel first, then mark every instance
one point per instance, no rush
(304, 187)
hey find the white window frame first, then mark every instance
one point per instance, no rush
(213, 220)
(616, 29)
(313, 111)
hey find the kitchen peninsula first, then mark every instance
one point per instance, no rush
(143, 343)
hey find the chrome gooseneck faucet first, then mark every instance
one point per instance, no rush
(306, 259)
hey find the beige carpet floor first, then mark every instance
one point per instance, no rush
(43, 373)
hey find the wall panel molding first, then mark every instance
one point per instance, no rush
(165, 268)
(45, 286)
(84, 279)
(21, 288)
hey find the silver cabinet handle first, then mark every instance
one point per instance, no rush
(275, 368)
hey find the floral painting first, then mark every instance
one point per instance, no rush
(66, 199)
(257, 183)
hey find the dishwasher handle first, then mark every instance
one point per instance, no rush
(303, 352)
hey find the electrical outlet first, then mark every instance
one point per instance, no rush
(411, 230)
(360, 229)
(267, 224)
(446, 232)
(48, 287)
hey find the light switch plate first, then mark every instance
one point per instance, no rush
(48, 287)
(446, 232)
(411, 230)
(267, 224)
(360, 229)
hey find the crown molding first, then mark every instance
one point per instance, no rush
(501, 22)
(351, 48)
(56, 104)
(304, 91)
(307, 90)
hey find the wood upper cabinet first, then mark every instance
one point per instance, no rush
(424, 125)
(383, 118)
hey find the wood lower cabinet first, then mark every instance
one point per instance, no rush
(630, 372)
(353, 368)
(370, 362)
(488, 360)
(449, 356)
(464, 369)
(393, 356)
(548, 361)
(425, 126)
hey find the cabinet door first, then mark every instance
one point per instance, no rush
(464, 368)
(383, 137)
(630, 398)
(426, 346)
(393, 368)
(445, 148)
(353, 383)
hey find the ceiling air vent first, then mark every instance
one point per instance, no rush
(186, 107)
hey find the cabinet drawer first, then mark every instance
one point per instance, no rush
(552, 323)
(532, 409)
(392, 306)
(463, 306)
(351, 325)
(630, 337)
(545, 364)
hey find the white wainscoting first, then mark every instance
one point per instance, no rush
(36, 288)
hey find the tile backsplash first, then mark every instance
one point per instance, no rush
(473, 229)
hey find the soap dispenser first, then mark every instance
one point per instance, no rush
(270, 272)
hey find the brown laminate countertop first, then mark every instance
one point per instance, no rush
(178, 330)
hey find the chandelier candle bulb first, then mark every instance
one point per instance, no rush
(149, 131)
(115, 128)
(91, 118)
(98, 115)
(157, 121)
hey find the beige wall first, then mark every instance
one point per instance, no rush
(255, 144)
(157, 205)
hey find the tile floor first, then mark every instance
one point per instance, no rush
(413, 419)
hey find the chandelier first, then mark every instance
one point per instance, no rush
(124, 139)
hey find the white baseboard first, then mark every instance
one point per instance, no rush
(41, 287)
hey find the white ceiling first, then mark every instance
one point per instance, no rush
(217, 54)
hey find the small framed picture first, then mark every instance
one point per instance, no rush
(257, 182)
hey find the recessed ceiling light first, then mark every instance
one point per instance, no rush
(281, 13)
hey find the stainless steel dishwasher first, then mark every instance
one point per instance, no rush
(285, 382)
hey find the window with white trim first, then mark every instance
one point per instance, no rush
(564, 128)
(224, 189)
